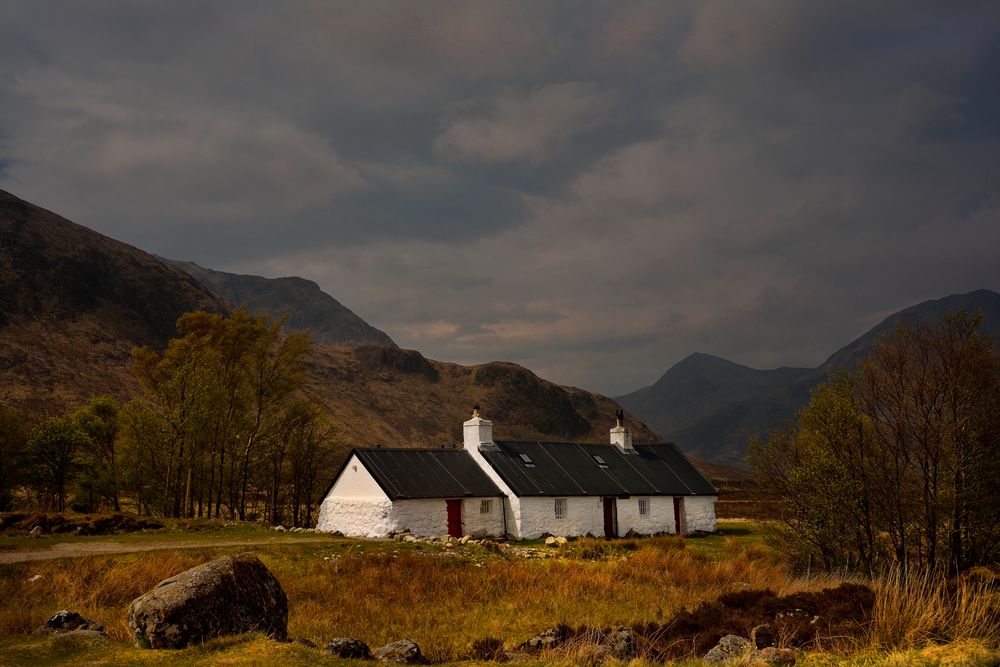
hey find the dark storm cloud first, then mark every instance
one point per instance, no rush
(592, 189)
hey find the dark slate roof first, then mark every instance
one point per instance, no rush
(570, 469)
(426, 473)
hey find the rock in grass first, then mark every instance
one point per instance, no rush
(66, 621)
(620, 644)
(730, 647)
(227, 596)
(543, 641)
(350, 648)
(404, 651)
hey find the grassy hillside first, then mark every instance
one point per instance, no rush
(73, 304)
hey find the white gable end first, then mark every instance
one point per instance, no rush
(356, 482)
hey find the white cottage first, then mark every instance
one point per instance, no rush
(519, 489)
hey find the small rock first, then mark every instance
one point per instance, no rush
(775, 656)
(449, 545)
(561, 540)
(465, 539)
(279, 529)
(74, 635)
(36, 532)
(68, 621)
(620, 644)
(729, 647)
(404, 651)
(409, 538)
(550, 541)
(35, 579)
(762, 636)
(350, 648)
(544, 640)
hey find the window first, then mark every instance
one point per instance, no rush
(601, 463)
(528, 463)
(486, 507)
(560, 508)
(643, 506)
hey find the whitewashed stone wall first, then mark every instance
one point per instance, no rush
(584, 515)
(374, 517)
(477, 524)
(356, 517)
(659, 520)
(357, 506)
(699, 513)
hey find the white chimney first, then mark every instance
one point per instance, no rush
(620, 436)
(477, 432)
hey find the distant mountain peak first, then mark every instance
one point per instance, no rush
(307, 307)
(711, 406)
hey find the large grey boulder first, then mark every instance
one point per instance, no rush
(227, 596)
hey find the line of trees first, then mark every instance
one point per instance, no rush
(222, 428)
(899, 462)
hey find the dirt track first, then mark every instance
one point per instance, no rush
(77, 549)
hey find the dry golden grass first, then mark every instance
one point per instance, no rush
(920, 609)
(446, 602)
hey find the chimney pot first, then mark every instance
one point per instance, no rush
(477, 433)
(620, 436)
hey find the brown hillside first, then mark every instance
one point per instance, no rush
(74, 303)
(389, 397)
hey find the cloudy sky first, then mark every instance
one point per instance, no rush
(594, 190)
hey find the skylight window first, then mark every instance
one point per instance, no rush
(528, 463)
(600, 462)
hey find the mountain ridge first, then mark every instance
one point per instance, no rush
(752, 402)
(306, 306)
(74, 303)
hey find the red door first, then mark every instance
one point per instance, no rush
(610, 517)
(679, 515)
(455, 517)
